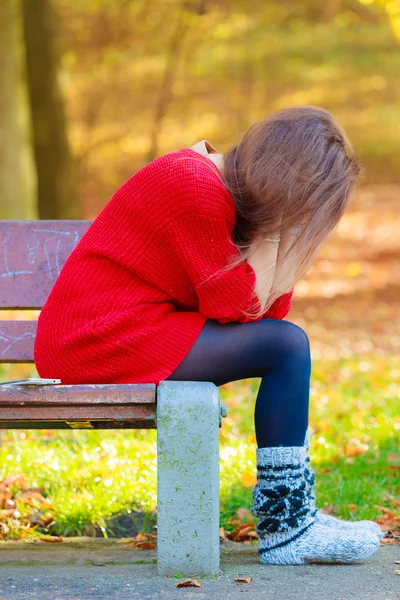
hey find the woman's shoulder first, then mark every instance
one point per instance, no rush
(177, 185)
(185, 166)
(196, 182)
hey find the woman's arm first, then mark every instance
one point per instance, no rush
(204, 247)
(263, 260)
(274, 272)
(280, 308)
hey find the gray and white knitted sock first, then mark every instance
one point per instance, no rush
(329, 520)
(288, 530)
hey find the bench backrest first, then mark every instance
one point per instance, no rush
(32, 254)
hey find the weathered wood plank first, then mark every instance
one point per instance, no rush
(82, 425)
(17, 339)
(77, 395)
(139, 412)
(32, 254)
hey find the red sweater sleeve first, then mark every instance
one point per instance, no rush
(280, 308)
(204, 247)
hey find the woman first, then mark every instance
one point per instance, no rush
(187, 273)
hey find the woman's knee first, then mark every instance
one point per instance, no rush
(290, 344)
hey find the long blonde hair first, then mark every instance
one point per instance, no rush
(292, 172)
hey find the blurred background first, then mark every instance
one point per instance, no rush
(90, 91)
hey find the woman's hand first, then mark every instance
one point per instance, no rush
(275, 270)
(263, 260)
(286, 265)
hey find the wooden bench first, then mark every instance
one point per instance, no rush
(187, 415)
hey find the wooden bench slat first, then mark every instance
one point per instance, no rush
(140, 412)
(32, 254)
(17, 339)
(77, 395)
(150, 424)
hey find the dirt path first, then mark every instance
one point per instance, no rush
(349, 301)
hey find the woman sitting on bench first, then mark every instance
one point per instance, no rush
(186, 275)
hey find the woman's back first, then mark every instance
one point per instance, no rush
(126, 297)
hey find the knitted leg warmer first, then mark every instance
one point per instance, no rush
(328, 520)
(288, 530)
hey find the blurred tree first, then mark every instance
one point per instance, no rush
(57, 194)
(186, 17)
(143, 78)
(16, 169)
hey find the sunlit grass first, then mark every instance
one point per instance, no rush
(89, 477)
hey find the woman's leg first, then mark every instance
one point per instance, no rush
(290, 530)
(276, 351)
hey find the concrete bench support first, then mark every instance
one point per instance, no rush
(188, 478)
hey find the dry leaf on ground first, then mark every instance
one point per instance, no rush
(188, 583)
(145, 545)
(144, 541)
(242, 579)
(14, 479)
(243, 533)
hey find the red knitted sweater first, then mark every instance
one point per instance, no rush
(139, 286)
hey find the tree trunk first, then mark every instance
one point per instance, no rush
(55, 168)
(16, 168)
(173, 55)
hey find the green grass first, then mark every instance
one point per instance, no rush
(90, 477)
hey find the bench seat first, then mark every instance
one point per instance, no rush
(124, 406)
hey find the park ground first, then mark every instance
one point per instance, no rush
(72, 483)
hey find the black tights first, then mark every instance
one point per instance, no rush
(276, 351)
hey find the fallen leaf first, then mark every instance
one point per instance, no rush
(242, 579)
(355, 450)
(52, 539)
(145, 545)
(248, 479)
(144, 541)
(244, 526)
(397, 572)
(13, 479)
(390, 498)
(353, 506)
(188, 583)
(4, 496)
(32, 498)
(243, 533)
(383, 509)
